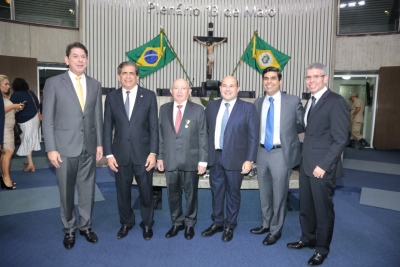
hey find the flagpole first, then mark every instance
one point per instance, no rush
(240, 60)
(173, 51)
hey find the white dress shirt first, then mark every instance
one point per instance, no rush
(317, 96)
(219, 120)
(277, 118)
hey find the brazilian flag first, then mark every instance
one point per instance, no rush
(260, 55)
(151, 56)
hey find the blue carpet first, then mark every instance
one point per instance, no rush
(371, 166)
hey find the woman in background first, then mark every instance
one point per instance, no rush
(28, 119)
(8, 143)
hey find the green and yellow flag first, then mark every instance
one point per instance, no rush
(151, 56)
(260, 55)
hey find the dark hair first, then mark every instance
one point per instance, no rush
(20, 84)
(273, 69)
(75, 45)
(128, 63)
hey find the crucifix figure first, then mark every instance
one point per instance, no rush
(209, 43)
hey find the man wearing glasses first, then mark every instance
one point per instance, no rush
(183, 155)
(326, 121)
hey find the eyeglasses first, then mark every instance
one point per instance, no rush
(314, 76)
(180, 89)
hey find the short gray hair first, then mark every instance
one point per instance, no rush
(317, 65)
(128, 63)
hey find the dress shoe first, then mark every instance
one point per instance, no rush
(147, 232)
(90, 235)
(300, 244)
(210, 231)
(363, 143)
(271, 239)
(30, 169)
(227, 235)
(260, 230)
(174, 230)
(69, 240)
(351, 144)
(316, 259)
(123, 231)
(4, 186)
(189, 232)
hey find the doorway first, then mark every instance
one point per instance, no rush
(365, 86)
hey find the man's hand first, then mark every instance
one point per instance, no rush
(201, 170)
(54, 158)
(160, 165)
(99, 153)
(150, 162)
(318, 172)
(246, 168)
(112, 163)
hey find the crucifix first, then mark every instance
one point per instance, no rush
(210, 42)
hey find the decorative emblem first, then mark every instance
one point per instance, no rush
(187, 123)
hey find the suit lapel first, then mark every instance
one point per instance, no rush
(186, 115)
(284, 103)
(170, 115)
(90, 92)
(138, 101)
(235, 111)
(120, 101)
(319, 104)
(71, 89)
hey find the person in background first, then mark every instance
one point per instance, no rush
(8, 144)
(356, 119)
(28, 119)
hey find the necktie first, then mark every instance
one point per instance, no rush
(178, 119)
(223, 125)
(269, 132)
(127, 104)
(312, 106)
(79, 92)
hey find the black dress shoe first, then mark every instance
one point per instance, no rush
(123, 231)
(174, 230)
(210, 231)
(271, 239)
(90, 235)
(147, 232)
(260, 230)
(316, 259)
(69, 240)
(227, 235)
(300, 244)
(189, 232)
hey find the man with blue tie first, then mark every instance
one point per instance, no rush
(279, 151)
(131, 113)
(232, 149)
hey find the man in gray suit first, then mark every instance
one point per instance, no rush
(183, 155)
(279, 151)
(326, 121)
(72, 130)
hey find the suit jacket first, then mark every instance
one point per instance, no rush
(325, 135)
(65, 126)
(135, 138)
(291, 124)
(241, 137)
(185, 149)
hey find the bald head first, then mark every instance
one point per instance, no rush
(180, 90)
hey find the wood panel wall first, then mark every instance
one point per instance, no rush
(20, 67)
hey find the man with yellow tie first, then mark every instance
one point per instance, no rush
(72, 130)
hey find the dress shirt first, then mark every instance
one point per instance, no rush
(219, 120)
(317, 96)
(132, 98)
(83, 83)
(175, 111)
(277, 118)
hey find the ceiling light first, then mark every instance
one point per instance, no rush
(343, 5)
(386, 12)
(352, 4)
(346, 77)
(361, 3)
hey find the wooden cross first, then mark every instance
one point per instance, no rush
(210, 42)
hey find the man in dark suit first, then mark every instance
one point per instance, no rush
(279, 151)
(233, 140)
(326, 123)
(131, 111)
(72, 129)
(183, 155)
